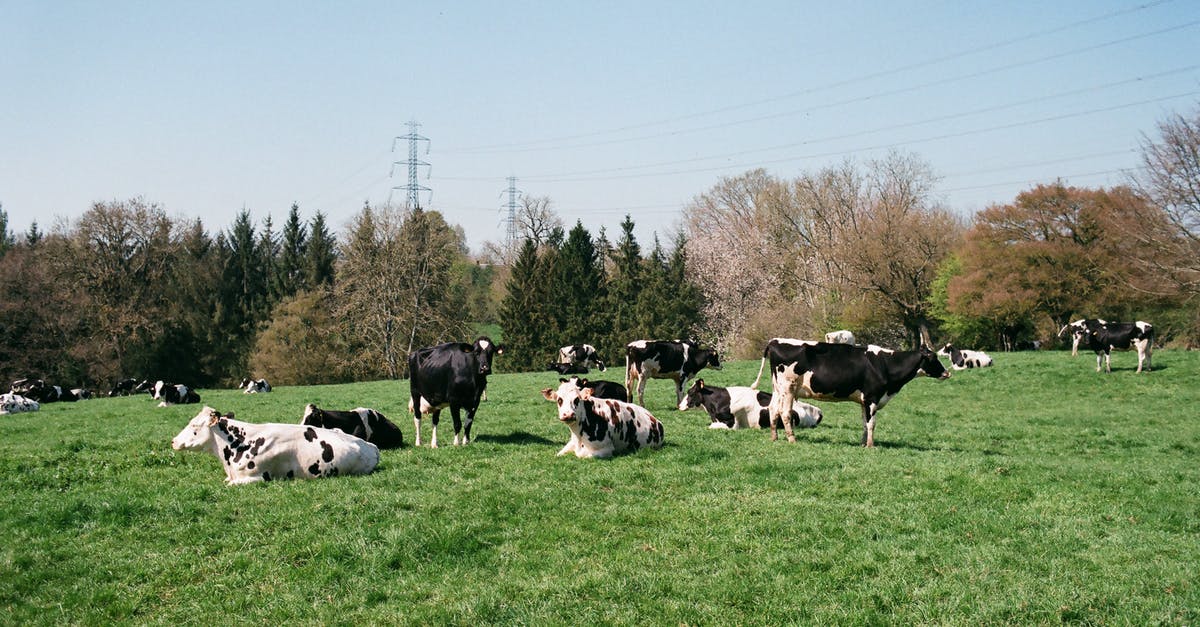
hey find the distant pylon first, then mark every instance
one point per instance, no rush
(414, 189)
(511, 220)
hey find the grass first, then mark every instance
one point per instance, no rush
(1036, 491)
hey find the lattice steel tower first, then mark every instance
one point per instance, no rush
(511, 220)
(413, 188)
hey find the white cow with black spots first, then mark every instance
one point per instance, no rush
(601, 427)
(15, 403)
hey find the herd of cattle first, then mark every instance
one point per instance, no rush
(603, 417)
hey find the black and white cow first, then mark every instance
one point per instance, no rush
(15, 403)
(839, 337)
(1122, 336)
(82, 394)
(602, 427)
(744, 408)
(361, 422)
(124, 387)
(451, 375)
(1079, 329)
(601, 389)
(38, 390)
(145, 385)
(962, 359)
(174, 394)
(265, 452)
(678, 360)
(868, 375)
(255, 386)
(583, 355)
(565, 369)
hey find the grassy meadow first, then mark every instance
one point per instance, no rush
(1036, 491)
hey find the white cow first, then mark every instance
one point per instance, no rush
(264, 452)
(839, 337)
(601, 426)
(15, 404)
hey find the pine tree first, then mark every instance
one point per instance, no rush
(575, 289)
(321, 254)
(624, 287)
(244, 289)
(269, 252)
(290, 276)
(523, 312)
(6, 237)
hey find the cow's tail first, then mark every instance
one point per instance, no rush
(628, 379)
(761, 365)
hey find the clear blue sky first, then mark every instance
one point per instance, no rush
(604, 107)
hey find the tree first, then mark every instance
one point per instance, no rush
(244, 290)
(524, 313)
(576, 289)
(7, 240)
(290, 276)
(302, 345)
(321, 254)
(624, 288)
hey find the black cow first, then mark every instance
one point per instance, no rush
(601, 389)
(582, 355)
(868, 375)
(664, 359)
(565, 369)
(124, 387)
(1122, 336)
(362, 422)
(451, 375)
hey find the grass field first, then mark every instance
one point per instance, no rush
(1037, 491)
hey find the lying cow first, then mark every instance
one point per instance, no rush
(174, 394)
(124, 387)
(839, 337)
(601, 389)
(581, 355)
(962, 359)
(361, 422)
(602, 427)
(565, 369)
(264, 452)
(38, 390)
(743, 407)
(255, 386)
(870, 376)
(15, 403)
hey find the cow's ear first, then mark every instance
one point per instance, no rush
(562, 380)
(585, 393)
(549, 394)
(229, 415)
(499, 349)
(700, 382)
(213, 417)
(582, 383)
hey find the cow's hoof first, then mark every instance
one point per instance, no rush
(791, 439)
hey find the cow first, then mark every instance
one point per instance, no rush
(743, 407)
(265, 452)
(870, 376)
(602, 427)
(124, 387)
(1122, 336)
(451, 375)
(361, 422)
(82, 394)
(38, 390)
(174, 394)
(839, 337)
(15, 403)
(583, 355)
(145, 385)
(1079, 329)
(255, 386)
(565, 369)
(601, 389)
(962, 359)
(678, 360)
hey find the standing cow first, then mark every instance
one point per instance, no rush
(451, 375)
(602, 427)
(678, 360)
(1122, 336)
(870, 376)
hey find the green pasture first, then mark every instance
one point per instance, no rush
(1036, 491)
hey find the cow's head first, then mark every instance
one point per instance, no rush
(485, 349)
(710, 359)
(570, 398)
(313, 416)
(694, 397)
(198, 433)
(931, 366)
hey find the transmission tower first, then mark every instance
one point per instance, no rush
(413, 188)
(511, 220)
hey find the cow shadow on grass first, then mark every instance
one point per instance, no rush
(517, 437)
(1157, 368)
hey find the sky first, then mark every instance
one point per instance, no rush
(606, 108)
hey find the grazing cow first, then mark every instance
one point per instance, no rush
(255, 386)
(743, 407)
(124, 387)
(265, 452)
(602, 427)
(1079, 329)
(361, 422)
(583, 355)
(15, 403)
(1122, 336)
(870, 376)
(565, 369)
(961, 358)
(839, 337)
(174, 394)
(662, 359)
(601, 389)
(451, 375)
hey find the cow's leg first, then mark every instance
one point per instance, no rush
(680, 384)
(1107, 361)
(641, 390)
(433, 419)
(417, 429)
(454, 414)
(868, 439)
(1099, 360)
(781, 404)
(1074, 344)
(572, 445)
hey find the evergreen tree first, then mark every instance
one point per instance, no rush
(321, 254)
(6, 237)
(33, 236)
(244, 289)
(624, 288)
(575, 288)
(290, 276)
(268, 251)
(655, 299)
(523, 312)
